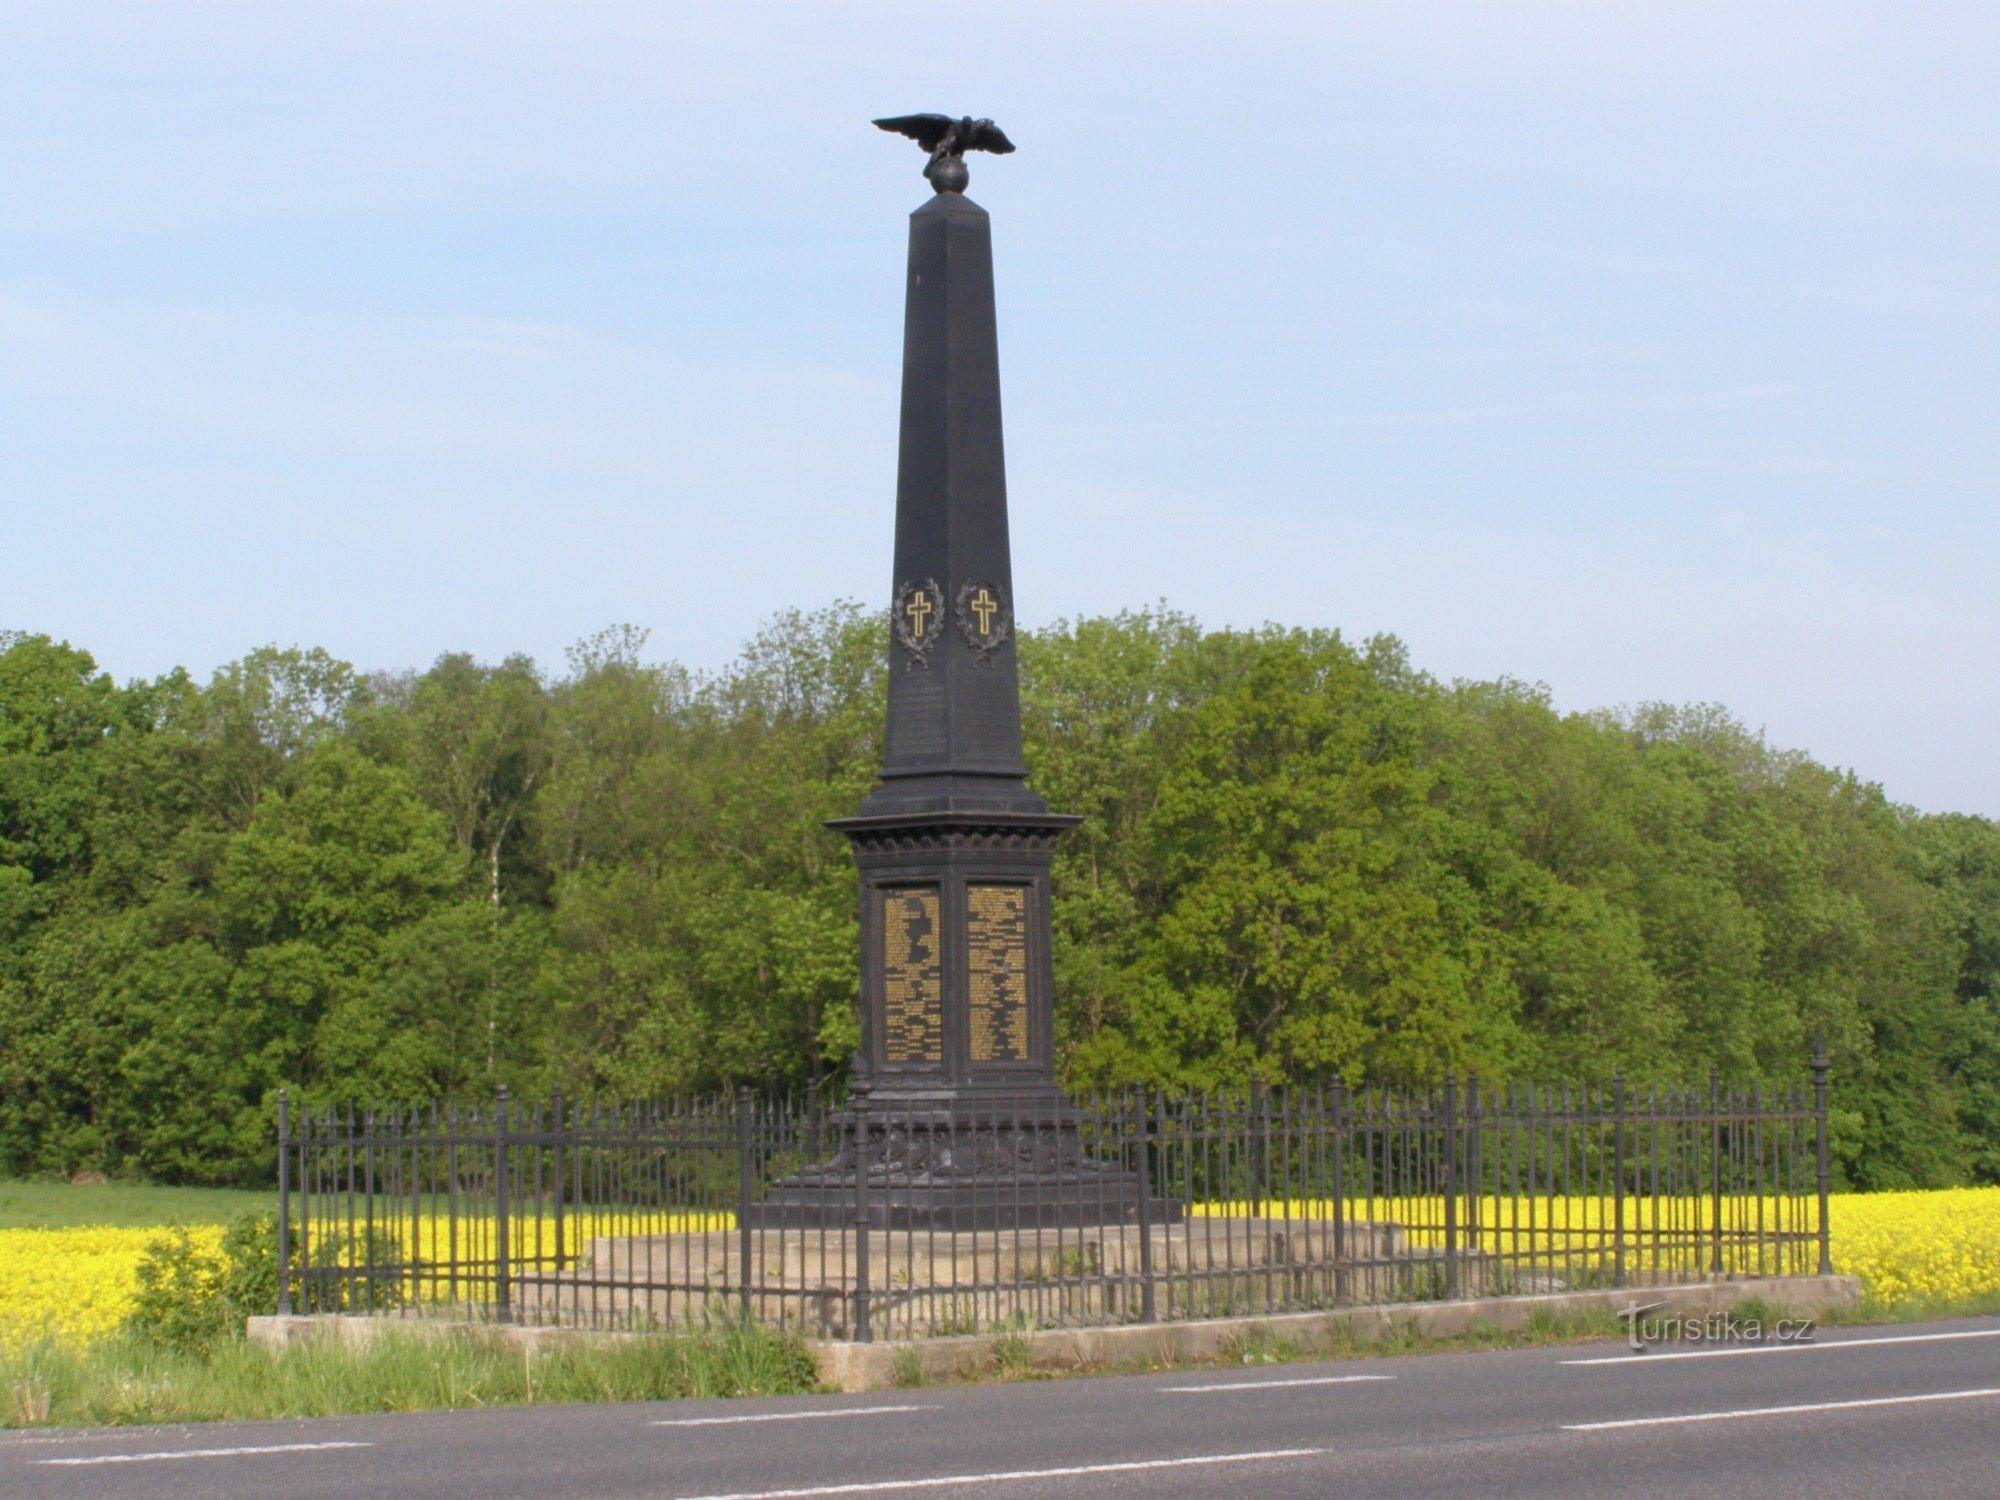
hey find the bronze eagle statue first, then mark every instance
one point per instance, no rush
(948, 140)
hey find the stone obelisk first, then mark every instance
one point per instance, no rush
(953, 849)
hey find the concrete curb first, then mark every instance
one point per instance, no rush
(871, 1367)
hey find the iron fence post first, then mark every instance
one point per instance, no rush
(863, 1333)
(1259, 1136)
(1819, 1070)
(1166, 1170)
(556, 1157)
(1337, 1105)
(370, 1272)
(1450, 1185)
(503, 1238)
(744, 1145)
(1475, 1156)
(285, 1204)
(1617, 1177)
(1715, 1164)
(1148, 1310)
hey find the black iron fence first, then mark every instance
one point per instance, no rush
(870, 1221)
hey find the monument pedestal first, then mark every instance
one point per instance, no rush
(1023, 1165)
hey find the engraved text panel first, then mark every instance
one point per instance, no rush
(996, 948)
(912, 977)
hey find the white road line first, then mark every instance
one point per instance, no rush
(1267, 1385)
(938, 1481)
(148, 1458)
(788, 1416)
(1634, 1357)
(1778, 1411)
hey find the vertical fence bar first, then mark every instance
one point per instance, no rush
(503, 1291)
(1617, 1177)
(1753, 1226)
(1339, 1144)
(309, 1181)
(1715, 1165)
(743, 1150)
(1450, 1185)
(1167, 1177)
(1475, 1161)
(373, 1146)
(1819, 1072)
(285, 1202)
(1258, 1152)
(863, 1332)
(557, 1169)
(1148, 1309)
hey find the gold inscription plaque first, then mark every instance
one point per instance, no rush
(996, 948)
(912, 978)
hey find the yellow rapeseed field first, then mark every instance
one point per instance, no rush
(1920, 1249)
(74, 1284)
(78, 1284)
(1913, 1250)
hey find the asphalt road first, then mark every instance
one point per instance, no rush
(1905, 1410)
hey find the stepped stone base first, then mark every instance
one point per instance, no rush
(1078, 1202)
(1000, 1164)
(926, 1283)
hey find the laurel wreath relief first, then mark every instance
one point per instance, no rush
(984, 619)
(918, 620)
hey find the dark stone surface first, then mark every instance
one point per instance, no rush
(997, 1163)
(953, 809)
(1040, 1203)
(954, 728)
(953, 814)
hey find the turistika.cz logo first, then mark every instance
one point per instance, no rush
(1643, 1332)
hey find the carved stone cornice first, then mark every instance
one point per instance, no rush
(945, 833)
(921, 840)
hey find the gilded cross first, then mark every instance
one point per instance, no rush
(918, 609)
(983, 605)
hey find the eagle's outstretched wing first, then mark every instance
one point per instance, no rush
(986, 136)
(925, 130)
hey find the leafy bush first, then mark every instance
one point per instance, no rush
(190, 1300)
(179, 1304)
(248, 1282)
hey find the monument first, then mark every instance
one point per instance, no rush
(956, 1063)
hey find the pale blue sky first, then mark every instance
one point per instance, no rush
(1648, 350)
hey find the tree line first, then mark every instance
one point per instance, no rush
(1301, 857)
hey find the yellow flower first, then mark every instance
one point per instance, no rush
(76, 1284)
